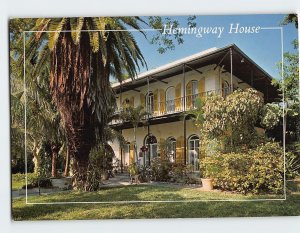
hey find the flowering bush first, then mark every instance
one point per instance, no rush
(270, 115)
(255, 171)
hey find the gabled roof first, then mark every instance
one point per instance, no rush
(243, 67)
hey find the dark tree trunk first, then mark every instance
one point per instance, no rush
(80, 88)
(54, 149)
(79, 149)
(67, 164)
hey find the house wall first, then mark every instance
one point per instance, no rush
(161, 132)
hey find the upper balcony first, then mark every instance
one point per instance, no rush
(174, 106)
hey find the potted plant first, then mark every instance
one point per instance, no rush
(209, 169)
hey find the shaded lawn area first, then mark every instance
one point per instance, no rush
(19, 180)
(21, 211)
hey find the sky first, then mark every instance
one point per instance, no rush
(264, 47)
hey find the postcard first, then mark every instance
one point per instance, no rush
(154, 117)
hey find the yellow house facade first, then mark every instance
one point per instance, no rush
(167, 92)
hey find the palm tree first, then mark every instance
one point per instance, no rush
(84, 53)
(135, 116)
(43, 122)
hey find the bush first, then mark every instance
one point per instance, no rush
(255, 171)
(161, 169)
(33, 181)
(18, 164)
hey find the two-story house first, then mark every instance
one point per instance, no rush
(168, 91)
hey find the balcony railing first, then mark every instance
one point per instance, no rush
(178, 105)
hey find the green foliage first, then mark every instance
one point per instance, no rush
(100, 162)
(133, 169)
(45, 153)
(270, 115)
(18, 164)
(257, 171)
(290, 18)
(166, 42)
(233, 118)
(215, 116)
(292, 164)
(19, 180)
(134, 115)
(161, 169)
(33, 181)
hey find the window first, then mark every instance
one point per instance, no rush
(192, 93)
(151, 143)
(171, 149)
(193, 152)
(170, 100)
(149, 102)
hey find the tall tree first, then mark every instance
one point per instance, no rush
(43, 122)
(84, 54)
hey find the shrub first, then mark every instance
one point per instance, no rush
(255, 171)
(292, 164)
(18, 164)
(33, 181)
(100, 161)
(160, 169)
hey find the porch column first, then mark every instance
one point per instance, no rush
(121, 150)
(184, 121)
(184, 91)
(120, 108)
(147, 98)
(184, 139)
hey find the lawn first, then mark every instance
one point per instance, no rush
(19, 180)
(190, 209)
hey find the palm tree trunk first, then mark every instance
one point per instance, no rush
(135, 145)
(67, 164)
(36, 157)
(81, 139)
(54, 149)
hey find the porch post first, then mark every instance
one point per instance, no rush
(120, 107)
(231, 81)
(121, 150)
(184, 121)
(146, 100)
(184, 94)
(148, 128)
(148, 117)
(184, 139)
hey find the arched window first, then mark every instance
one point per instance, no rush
(151, 143)
(149, 102)
(171, 149)
(193, 151)
(170, 100)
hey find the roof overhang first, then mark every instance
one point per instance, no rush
(243, 67)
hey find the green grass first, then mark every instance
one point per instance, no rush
(18, 180)
(22, 211)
